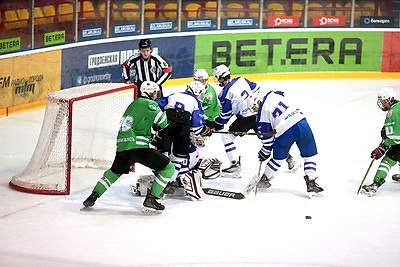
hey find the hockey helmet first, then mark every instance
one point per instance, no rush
(253, 101)
(221, 74)
(386, 98)
(197, 89)
(197, 140)
(144, 43)
(150, 90)
(201, 75)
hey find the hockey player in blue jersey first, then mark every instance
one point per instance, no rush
(275, 112)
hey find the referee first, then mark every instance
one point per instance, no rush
(146, 66)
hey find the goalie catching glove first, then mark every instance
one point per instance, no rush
(210, 168)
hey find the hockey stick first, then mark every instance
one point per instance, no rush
(234, 195)
(223, 193)
(259, 171)
(271, 133)
(365, 176)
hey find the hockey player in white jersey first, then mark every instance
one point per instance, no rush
(185, 115)
(233, 103)
(275, 112)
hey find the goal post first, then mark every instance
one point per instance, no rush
(79, 130)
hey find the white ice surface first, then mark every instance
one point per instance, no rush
(269, 229)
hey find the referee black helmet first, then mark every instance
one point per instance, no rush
(144, 43)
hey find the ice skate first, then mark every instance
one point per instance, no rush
(233, 171)
(293, 166)
(396, 177)
(264, 183)
(89, 202)
(313, 189)
(150, 204)
(371, 189)
(173, 189)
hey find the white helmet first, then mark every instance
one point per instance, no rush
(197, 140)
(253, 101)
(201, 75)
(150, 90)
(221, 74)
(386, 93)
(197, 89)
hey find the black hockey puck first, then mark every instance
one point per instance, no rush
(308, 217)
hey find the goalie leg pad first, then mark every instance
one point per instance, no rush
(192, 184)
(143, 183)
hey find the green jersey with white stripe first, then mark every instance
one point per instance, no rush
(211, 104)
(136, 124)
(392, 126)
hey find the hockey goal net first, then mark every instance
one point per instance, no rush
(79, 130)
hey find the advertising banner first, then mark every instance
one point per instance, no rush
(101, 63)
(30, 78)
(250, 53)
(391, 52)
(283, 21)
(8, 45)
(329, 21)
(377, 21)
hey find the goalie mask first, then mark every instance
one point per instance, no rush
(197, 89)
(221, 75)
(386, 98)
(150, 90)
(201, 75)
(197, 140)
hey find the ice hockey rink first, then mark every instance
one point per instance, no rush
(269, 229)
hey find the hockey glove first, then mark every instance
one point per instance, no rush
(156, 128)
(263, 154)
(383, 133)
(218, 126)
(379, 151)
(206, 131)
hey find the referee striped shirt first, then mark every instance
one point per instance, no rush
(154, 69)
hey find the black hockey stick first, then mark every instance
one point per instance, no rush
(223, 193)
(234, 195)
(365, 176)
(271, 133)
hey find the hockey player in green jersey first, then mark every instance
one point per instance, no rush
(389, 148)
(133, 141)
(210, 104)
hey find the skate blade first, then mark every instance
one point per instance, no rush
(148, 210)
(367, 193)
(294, 169)
(231, 175)
(84, 208)
(315, 195)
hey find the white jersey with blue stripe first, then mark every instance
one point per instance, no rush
(233, 99)
(189, 103)
(276, 110)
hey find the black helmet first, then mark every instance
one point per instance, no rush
(145, 43)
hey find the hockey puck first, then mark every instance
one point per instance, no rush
(308, 217)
